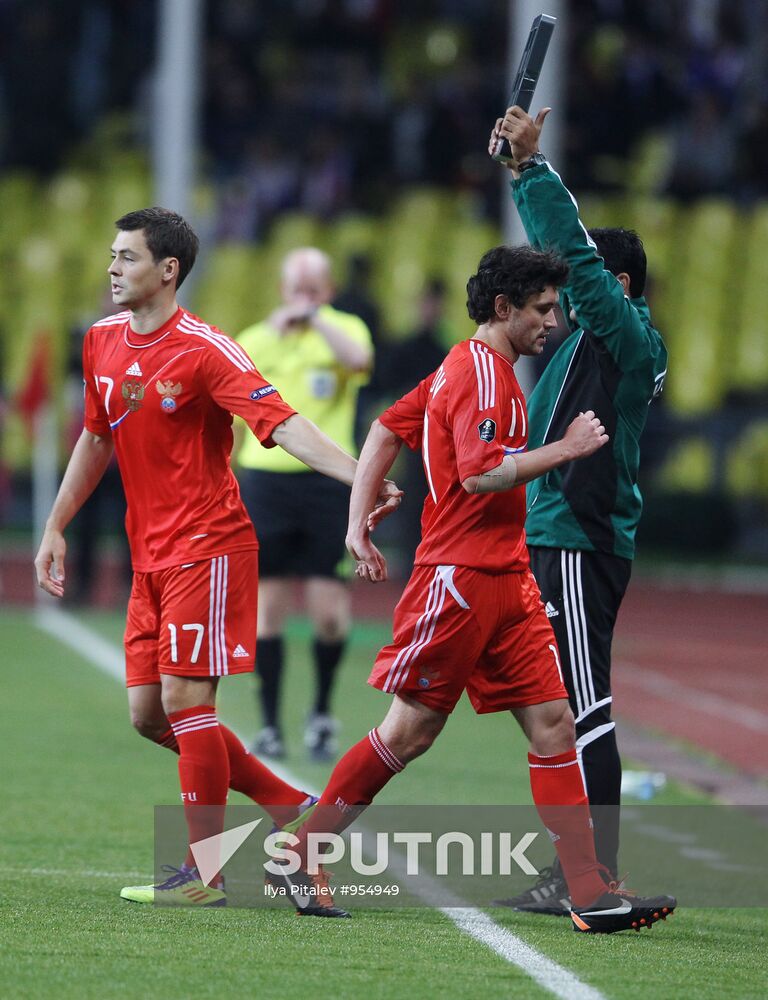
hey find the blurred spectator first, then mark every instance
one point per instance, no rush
(752, 154)
(406, 363)
(393, 97)
(357, 297)
(417, 355)
(702, 166)
(36, 82)
(325, 182)
(266, 183)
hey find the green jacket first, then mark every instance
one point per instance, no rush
(614, 364)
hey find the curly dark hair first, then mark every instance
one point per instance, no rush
(167, 235)
(517, 272)
(623, 253)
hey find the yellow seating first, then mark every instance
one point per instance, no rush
(746, 469)
(703, 285)
(465, 245)
(353, 234)
(708, 269)
(228, 293)
(746, 364)
(689, 468)
(294, 229)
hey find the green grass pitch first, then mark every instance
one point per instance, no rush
(78, 790)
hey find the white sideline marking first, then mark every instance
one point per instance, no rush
(83, 640)
(548, 974)
(554, 978)
(74, 872)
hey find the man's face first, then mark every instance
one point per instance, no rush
(135, 277)
(529, 327)
(306, 284)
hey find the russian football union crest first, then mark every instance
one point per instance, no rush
(168, 391)
(133, 393)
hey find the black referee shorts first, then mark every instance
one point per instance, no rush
(300, 520)
(582, 593)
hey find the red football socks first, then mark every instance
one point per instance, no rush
(203, 770)
(248, 775)
(561, 800)
(357, 778)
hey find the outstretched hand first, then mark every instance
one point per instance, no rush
(521, 132)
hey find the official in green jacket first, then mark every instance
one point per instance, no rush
(582, 518)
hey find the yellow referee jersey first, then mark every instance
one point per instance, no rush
(307, 374)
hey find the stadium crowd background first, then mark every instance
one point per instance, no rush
(361, 126)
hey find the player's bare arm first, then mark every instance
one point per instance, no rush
(87, 465)
(305, 441)
(302, 439)
(379, 452)
(521, 131)
(583, 437)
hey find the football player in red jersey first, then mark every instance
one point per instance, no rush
(160, 389)
(471, 616)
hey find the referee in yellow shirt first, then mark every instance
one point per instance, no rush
(318, 358)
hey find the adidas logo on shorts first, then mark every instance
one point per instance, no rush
(239, 651)
(134, 369)
(551, 610)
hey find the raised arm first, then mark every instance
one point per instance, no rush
(551, 218)
(85, 468)
(351, 352)
(350, 346)
(584, 436)
(518, 191)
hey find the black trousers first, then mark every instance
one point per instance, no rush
(582, 593)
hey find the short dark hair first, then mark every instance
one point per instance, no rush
(167, 235)
(623, 253)
(517, 272)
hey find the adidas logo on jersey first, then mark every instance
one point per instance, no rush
(551, 610)
(239, 651)
(134, 370)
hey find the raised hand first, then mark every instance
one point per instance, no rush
(521, 131)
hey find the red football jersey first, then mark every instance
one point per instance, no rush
(466, 417)
(167, 398)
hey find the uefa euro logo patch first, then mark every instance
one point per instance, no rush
(487, 429)
(265, 390)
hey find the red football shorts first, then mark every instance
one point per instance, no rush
(457, 628)
(195, 620)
